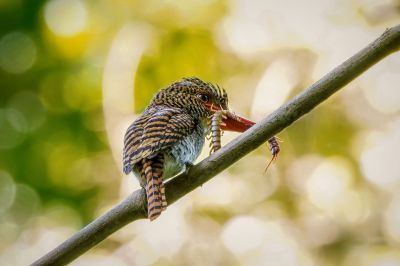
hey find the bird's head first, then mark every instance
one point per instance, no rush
(201, 100)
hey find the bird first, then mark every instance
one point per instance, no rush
(169, 135)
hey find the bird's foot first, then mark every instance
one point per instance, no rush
(188, 166)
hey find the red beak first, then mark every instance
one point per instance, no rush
(236, 123)
(232, 122)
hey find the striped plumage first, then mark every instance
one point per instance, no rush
(169, 135)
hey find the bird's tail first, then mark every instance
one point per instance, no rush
(158, 167)
(155, 192)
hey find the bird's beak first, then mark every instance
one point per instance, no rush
(236, 123)
(232, 122)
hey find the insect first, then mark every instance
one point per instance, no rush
(216, 125)
(215, 130)
(274, 148)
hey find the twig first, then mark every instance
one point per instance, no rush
(134, 207)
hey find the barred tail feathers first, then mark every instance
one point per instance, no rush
(153, 193)
(158, 166)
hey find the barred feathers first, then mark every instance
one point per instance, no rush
(158, 166)
(168, 135)
(153, 191)
(146, 140)
(155, 131)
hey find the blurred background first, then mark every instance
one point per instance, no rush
(75, 73)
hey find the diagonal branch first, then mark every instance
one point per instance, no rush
(134, 207)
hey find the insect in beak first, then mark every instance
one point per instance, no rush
(226, 120)
(231, 121)
(236, 123)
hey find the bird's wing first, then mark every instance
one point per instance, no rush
(158, 131)
(132, 140)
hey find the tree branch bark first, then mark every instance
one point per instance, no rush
(134, 207)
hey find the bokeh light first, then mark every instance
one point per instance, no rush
(25, 205)
(380, 156)
(28, 111)
(373, 255)
(258, 242)
(12, 124)
(330, 188)
(392, 219)
(274, 86)
(75, 73)
(65, 17)
(244, 234)
(118, 97)
(319, 229)
(7, 191)
(17, 52)
(327, 185)
(384, 95)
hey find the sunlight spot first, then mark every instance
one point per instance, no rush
(162, 237)
(384, 95)
(392, 219)
(330, 189)
(211, 193)
(243, 234)
(118, 79)
(327, 185)
(257, 242)
(274, 87)
(65, 18)
(368, 255)
(380, 158)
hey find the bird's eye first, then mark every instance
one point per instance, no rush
(203, 97)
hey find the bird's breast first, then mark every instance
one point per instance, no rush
(183, 152)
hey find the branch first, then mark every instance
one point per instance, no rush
(134, 207)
